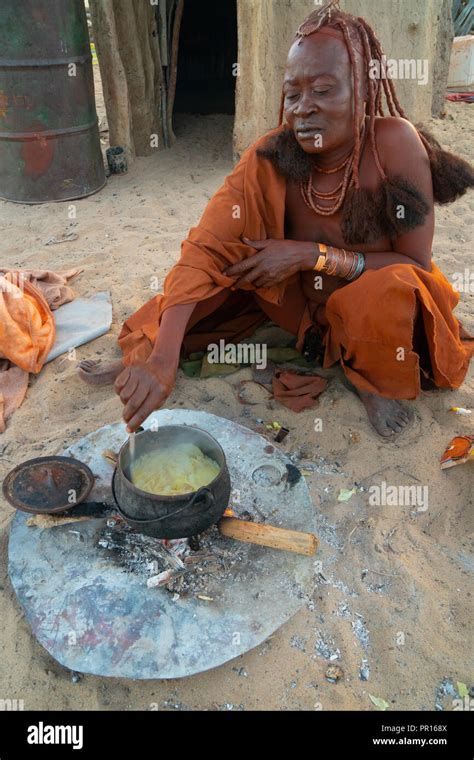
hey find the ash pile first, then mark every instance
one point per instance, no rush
(184, 567)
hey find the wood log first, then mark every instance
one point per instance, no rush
(269, 535)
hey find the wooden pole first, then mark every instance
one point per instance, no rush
(173, 69)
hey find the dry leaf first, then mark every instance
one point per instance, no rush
(379, 702)
(345, 494)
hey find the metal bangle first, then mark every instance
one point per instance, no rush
(320, 263)
(321, 260)
(362, 265)
(353, 267)
(359, 268)
(354, 274)
(344, 263)
(331, 265)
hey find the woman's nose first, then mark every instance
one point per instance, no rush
(306, 105)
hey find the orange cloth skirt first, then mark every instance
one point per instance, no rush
(371, 327)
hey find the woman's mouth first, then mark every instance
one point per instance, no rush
(308, 133)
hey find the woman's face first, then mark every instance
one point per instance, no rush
(318, 90)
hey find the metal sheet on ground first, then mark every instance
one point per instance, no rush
(94, 617)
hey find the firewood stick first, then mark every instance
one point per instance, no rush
(268, 535)
(52, 521)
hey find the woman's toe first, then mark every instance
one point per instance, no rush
(88, 364)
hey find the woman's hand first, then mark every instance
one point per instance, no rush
(275, 261)
(143, 388)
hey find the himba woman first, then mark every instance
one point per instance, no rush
(325, 227)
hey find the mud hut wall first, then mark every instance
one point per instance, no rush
(129, 58)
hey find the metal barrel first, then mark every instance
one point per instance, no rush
(49, 134)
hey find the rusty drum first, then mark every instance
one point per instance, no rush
(49, 136)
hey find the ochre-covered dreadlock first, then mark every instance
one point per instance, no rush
(368, 216)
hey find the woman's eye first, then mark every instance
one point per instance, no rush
(291, 97)
(321, 92)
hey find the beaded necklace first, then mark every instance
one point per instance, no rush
(311, 196)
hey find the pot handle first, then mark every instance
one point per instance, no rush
(201, 492)
(112, 485)
(208, 497)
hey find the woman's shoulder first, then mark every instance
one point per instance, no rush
(393, 133)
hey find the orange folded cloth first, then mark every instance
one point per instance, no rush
(13, 386)
(297, 392)
(53, 286)
(27, 329)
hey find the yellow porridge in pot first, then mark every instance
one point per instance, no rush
(177, 469)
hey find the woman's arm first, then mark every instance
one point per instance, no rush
(403, 154)
(144, 387)
(373, 260)
(170, 336)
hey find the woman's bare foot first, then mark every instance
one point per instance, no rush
(387, 416)
(100, 373)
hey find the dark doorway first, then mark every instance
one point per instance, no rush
(206, 57)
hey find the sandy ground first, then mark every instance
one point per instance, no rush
(393, 596)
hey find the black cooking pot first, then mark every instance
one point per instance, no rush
(171, 516)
